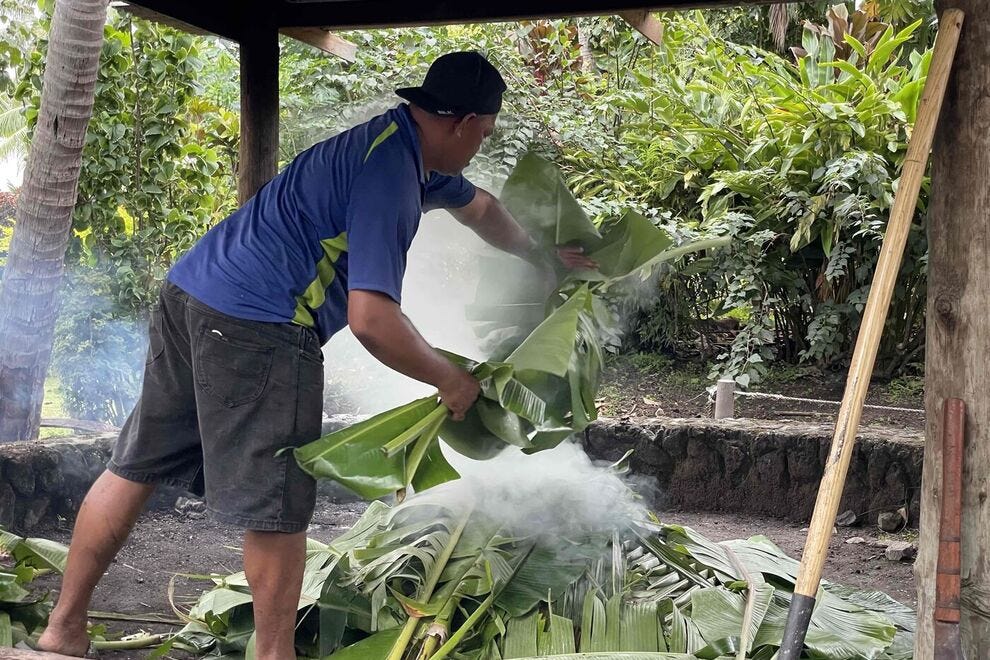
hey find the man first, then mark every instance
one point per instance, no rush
(234, 369)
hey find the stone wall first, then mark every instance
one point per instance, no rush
(734, 465)
(760, 466)
(48, 478)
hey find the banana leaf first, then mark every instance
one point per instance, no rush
(376, 646)
(537, 197)
(6, 631)
(547, 572)
(355, 456)
(627, 246)
(549, 347)
(470, 437)
(34, 552)
(718, 612)
(615, 655)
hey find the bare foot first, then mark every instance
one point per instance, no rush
(56, 639)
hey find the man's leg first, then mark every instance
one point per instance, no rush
(104, 521)
(274, 563)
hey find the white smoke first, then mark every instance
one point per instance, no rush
(551, 493)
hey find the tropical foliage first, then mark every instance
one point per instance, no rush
(795, 161)
(540, 385)
(450, 574)
(710, 134)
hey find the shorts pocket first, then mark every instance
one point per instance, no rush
(234, 371)
(156, 342)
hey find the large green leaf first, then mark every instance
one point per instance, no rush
(470, 437)
(718, 612)
(433, 470)
(547, 572)
(557, 637)
(615, 655)
(507, 426)
(677, 252)
(630, 244)
(540, 201)
(375, 647)
(640, 628)
(520, 639)
(10, 589)
(6, 631)
(550, 346)
(354, 456)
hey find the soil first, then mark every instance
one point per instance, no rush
(648, 385)
(166, 543)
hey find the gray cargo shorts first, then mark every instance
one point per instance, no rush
(221, 396)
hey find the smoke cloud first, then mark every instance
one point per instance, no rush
(553, 493)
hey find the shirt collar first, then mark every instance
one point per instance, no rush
(403, 118)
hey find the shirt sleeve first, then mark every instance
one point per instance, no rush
(381, 220)
(447, 192)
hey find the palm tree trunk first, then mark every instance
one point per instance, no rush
(28, 293)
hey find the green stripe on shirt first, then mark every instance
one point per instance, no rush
(316, 293)
(384, 135)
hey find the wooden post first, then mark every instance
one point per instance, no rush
(259, 108)
(958, 342)
(725, 398)
(864, 355)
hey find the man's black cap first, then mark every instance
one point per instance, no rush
(458, 84)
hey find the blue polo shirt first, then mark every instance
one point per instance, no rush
(341, 216)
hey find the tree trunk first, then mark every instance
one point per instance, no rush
(958, 334)
(28, 293)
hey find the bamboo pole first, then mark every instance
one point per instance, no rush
(864, 355)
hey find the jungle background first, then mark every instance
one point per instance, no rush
(783, 127)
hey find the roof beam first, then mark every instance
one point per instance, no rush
(344, 14)
(644, 22)
(325, 40)
(218, 17)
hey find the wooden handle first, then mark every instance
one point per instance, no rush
(875, 315)
(947, 581)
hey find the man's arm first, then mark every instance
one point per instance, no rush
(379, 324)
(490, 220)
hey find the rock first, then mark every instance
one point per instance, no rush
(31, 512)
(7, 501)
(900, 550)
(855, 540)
(190, 507)
(20, 475)
(891, 521)
(846, 519)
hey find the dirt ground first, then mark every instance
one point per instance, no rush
(648, 385)
(166, 542)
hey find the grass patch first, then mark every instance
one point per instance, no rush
(906, 388)
(609, 401)
(673, 373)
(53, 406)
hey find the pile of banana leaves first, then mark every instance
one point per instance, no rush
(21, 613)
(540, 383)
(449, 573)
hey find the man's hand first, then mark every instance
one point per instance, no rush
(458, 392)
(573, 258)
